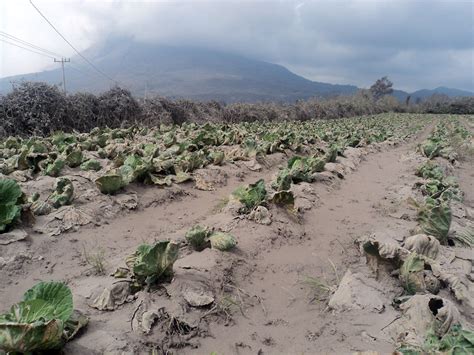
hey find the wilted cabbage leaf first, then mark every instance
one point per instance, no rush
(63, 193)
(284, 199)
(10, 203)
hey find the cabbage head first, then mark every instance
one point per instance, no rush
(251, 195)
(222, 241)
(198, 237)
(150, 263)
(43, 320)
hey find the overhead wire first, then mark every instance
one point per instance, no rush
(23, 42)
(26, 48)
(35, 48)
(70, 44)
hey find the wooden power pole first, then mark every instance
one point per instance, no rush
(62, 61)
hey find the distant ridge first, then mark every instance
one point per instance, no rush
(194, 73)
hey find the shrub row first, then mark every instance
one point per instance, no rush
(35, 108)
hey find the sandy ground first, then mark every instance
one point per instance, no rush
(266, 301)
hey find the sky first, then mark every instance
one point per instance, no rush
(417, 43)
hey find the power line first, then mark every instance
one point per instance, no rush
(23, 42)
(70, 44)
(46, 52)
(26, 48)
(81, 70)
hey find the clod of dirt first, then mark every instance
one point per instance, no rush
(193, 287)
(357, 291)
(209, 179)
(167, 322)
(198, 298)
(420, 314)
(234, 207)
(336, 169)
(261, 215)
(253, 165)
(305, 196)
(326, 177)
(128, 201)
(112, 297)
(204, 261)
(423, 244)
(15, 235)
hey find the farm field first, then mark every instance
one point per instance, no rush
(340, 235)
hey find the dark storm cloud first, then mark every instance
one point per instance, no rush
(417, 43)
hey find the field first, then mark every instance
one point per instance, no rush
(327, 236)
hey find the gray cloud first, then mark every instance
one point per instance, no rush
(417, 43)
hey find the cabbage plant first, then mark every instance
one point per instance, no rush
(198, 237)
(11, 198)
(251, 195)
(150, 263)
(43, 320)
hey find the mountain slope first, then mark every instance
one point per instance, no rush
(442, 91)
(194, 73)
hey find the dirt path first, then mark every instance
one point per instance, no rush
(276, 313)
(292, 324)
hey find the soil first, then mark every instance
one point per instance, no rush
(267, 298)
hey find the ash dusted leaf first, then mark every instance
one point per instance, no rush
(110, 183)
(222, 241)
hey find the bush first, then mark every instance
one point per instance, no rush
(117, 107)
(33, 108)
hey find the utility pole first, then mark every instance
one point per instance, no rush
(62, 61)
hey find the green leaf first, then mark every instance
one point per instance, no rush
(283, 181)
(152, 262)
(411, 274)
(110, 183)
(91, 164)
(37, 323)
(26, 338)
(10, 203)
(56, 294)
(435, 220)
(251, 195)
(74, 158)
(54, 168)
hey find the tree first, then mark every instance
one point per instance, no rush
(381, 87)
